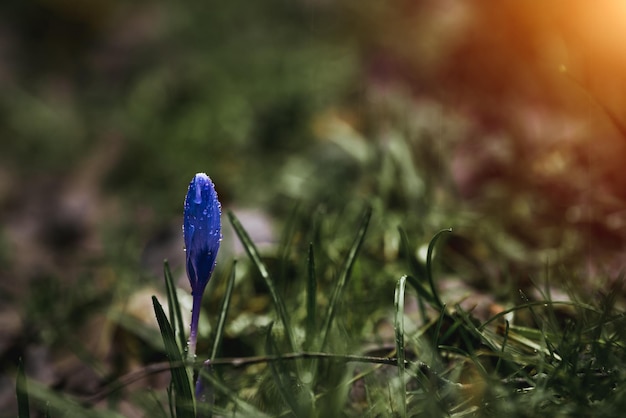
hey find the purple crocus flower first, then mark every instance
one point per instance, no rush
(202, 234)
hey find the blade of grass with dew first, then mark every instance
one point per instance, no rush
(176, 318)
(311, 299)
(429, 266)
(345, 275)
(253, 253)
(281, 376)
(183, 395)
(221, 321)
(399, 330)
(418, 271)
(21, 391)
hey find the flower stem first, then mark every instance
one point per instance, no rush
(193, 336)
(195, 318)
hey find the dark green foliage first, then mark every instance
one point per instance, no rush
(21, 390)
(429, 267)
(176, 319)
(224, 307)
(344, 276)
(181, 383)
(282, 375)
(253, 253)
(311, 300)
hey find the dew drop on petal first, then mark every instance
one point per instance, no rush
(198, 198)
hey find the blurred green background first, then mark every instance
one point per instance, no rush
(503, 121)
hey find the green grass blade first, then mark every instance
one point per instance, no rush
(422, 292)
(539, 322)
(281, 376)
(442, 315)
(244, 409)
(311, 300)
(316, 228)
(418, 273)
(503, 349)
(219, 330)
(205, 393)
(183, 395)
(429, 266)
(415, 267)
(399, 327)
(58, 404)
(170, 398)
(576, 305)
(418, 276)
(345, 275)
(253, 253)
(176, 318)
(470, 332)
(456, 326)
(21, 390)
(286, 243)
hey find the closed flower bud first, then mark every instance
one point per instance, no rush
(202, 231)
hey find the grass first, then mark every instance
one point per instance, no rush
(540, 357)
(351, 314)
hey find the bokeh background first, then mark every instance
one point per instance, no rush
(506, 120)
